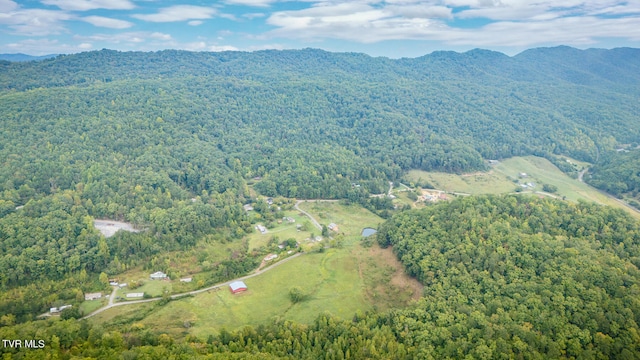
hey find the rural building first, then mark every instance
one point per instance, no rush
(261, 228)
(289, 219)
(123, 285)
(237, 287)
(270, 257)
(158, 275)
(135, 295)
(113, 282)
(332, 227)
(186, 280)
(92, 296)
(247, 207)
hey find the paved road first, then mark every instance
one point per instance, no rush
(258, 272)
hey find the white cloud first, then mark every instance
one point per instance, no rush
(516, 22)
(40, 47)
(84, 5)
(34, 22)
(85, 46)
(222, 48)
(7, 5)
(106, 22)
(255, 3)
(133, 37)
(252, 16)
(179, 13)
(195, 22)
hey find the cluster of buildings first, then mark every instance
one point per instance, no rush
(429, 196)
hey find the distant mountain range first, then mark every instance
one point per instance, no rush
(24, 57)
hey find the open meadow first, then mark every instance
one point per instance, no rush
(341, 280)
(507, 175)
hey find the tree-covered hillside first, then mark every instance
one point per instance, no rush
(516, 276)
(618, 173)
(172, 140)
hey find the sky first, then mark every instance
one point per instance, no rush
(392, 28)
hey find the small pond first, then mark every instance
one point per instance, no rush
(368, 232)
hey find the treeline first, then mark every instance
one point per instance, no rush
(517, 276)
(618, 173)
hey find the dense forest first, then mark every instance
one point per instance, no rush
(618, 173)
(506, 277)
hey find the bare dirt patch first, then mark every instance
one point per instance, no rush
(109, 228)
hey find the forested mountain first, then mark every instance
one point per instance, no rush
(618, 173)
(170, 140)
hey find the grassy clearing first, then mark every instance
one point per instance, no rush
(542, 171)
(351, 219)
(500, 180)
(330, 279)
(152, 287)
(283, 231)
(120, 313)
(491, 182)
(341, 281)
(90, 306)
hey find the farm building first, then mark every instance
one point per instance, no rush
(186, 280)
(261, 228)
(270, 257)
(237, 286)
(92, 296)
(135, 295)
(158, 275)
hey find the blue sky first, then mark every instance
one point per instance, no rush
(392, 28)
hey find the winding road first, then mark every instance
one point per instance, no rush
(194, 292)
(580, 178)
(313, 220)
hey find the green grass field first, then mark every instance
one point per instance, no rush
(90, 306)
(340, 281)
(499, 180)
(283, 231)
(541, 171)
(330, 279)
(492, 182)
(351, 219)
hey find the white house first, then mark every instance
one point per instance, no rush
(92, 296)
(135, 295)
(158, 275)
